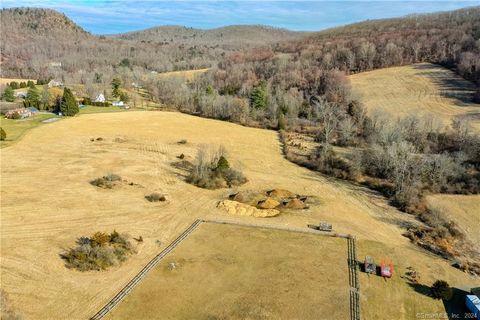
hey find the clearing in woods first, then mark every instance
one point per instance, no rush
(8, 80)
(48, 202)
(418, 89)
(236, 272)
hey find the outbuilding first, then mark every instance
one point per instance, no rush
(473, 304)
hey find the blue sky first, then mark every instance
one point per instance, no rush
(114, 16)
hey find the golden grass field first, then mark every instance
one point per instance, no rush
(187, 75)
(464, 210)
(417, 89)
(47, 203)
(233, 272)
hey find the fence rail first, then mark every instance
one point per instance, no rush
(353, 272)
(129, 286)
(353, 279)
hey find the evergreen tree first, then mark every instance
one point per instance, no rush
(124, 96)
(30, 84)
(9, 95)
(22, 85)
(69, 106)
(14, 85)
(3, 134)
(33, 97)
(210, 91)
(116, 83)
(222, 163)
(258, 98)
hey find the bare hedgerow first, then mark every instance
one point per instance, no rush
(211, 170)
(98, 252)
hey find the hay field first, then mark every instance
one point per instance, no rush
(417, 89)
(233, 272)
(187, 75)
(47, 201)
(8, 80)
(16, 129)
(464, 210)
(396, 298)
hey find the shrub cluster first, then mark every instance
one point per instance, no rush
(212, 170)
(155, 197)
(98, 252)
(106, 182)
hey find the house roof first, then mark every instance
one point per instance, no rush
(476, 291)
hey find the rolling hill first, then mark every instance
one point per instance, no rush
(41, 43)
(233, 37)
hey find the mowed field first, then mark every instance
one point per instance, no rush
(47, 203)
(8, 80)
(234, 272)
(186, 75)
(418, 89)
(463, 209)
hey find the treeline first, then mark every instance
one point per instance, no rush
(43, 43)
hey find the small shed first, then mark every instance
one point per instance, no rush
(370, 266)
(473, 304)
(33, 110)
(386, 268)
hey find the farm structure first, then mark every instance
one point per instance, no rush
(369, 265)
(21, 113)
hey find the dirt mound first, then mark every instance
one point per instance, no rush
(295, 204)
(248, 197)
(281, 194)
(241, 209)
(268, 203)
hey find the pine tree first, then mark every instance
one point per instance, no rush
(69, 106)
(259, 99)
(33, 97)
(9, 95)
(3, 134)
(116, 83)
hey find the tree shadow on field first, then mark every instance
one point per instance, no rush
(449, 85)
(454, 308)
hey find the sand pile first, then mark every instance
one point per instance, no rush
(268, 203)
(242, 209)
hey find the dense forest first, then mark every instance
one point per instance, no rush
(43, 43)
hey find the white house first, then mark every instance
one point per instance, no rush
(100, 98)
(54, 83)
(118, 103)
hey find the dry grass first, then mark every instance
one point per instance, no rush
(187, 75)
(395, 298)
(464, 210)
(8, 80)
(232, 272)
(418, 89)
(46, 199)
